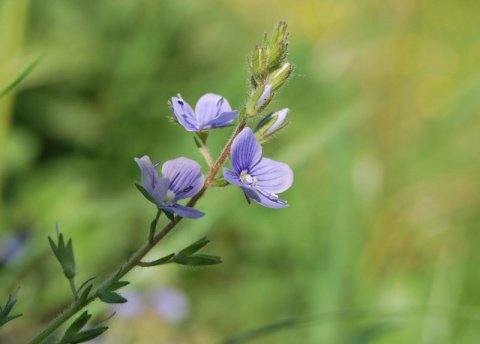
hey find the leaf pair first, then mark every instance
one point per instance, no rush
(74, 333)
(108, 295)
(188, 256)
(5, 311)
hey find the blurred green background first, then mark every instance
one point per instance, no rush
(384, 142)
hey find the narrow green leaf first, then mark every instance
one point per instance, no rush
(83, 298)
(19, 77)
(4, 312)
(145, 193)
(117, 285)
(3, 321)
(197, 143)
(160, 261)
(198, 260)
(192, 248)
(78, 324)
(110, 297)
(85, 283)
(88, 335)
(54, 247)
(170, 215)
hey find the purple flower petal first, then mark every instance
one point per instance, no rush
(272, 201)
(259, 178)
(155, 186)
(251, 193)
(272, 176)
(186, 179)
(246, 151)
(279, 119)
(211, 111)
(226, 118)
(232, 177)
(184, 113)
(267, 91)
(211, 106)
(183, 211)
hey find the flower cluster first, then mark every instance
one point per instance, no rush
(260, 179)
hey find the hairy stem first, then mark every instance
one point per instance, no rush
(206, 154)
(136, 257)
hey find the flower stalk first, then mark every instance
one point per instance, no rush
(181, 178)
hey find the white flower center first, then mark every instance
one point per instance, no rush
(169, 197)
(247, 179)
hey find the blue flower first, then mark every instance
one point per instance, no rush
(181, 178)
(211, 111)
(259, 178)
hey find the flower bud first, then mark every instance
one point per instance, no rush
(280, 76)
(259, 100)
(277, 46)
(280, 34)
(271, 124)
(258, 62)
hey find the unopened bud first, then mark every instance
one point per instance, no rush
(267, 90)
(277, 46)
(280, 34)
(259, 100)
(280, 76)
(258, 62)
(271, 124)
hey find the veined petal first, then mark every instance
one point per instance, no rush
(272, 176)
(210, 106)
(184, 113)
(246, 151)
(155, 186)
(251, 193)
(232, 177)
(271, 201)
(185, 177)
(222, 120)
(183, 211)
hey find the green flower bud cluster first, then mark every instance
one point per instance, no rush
(269, 70)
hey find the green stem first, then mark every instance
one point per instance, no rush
(74, 289)
(206, 154)
(153, 227)
(136, 258)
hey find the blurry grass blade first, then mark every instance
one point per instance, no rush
(22, 75)
(301, 151)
